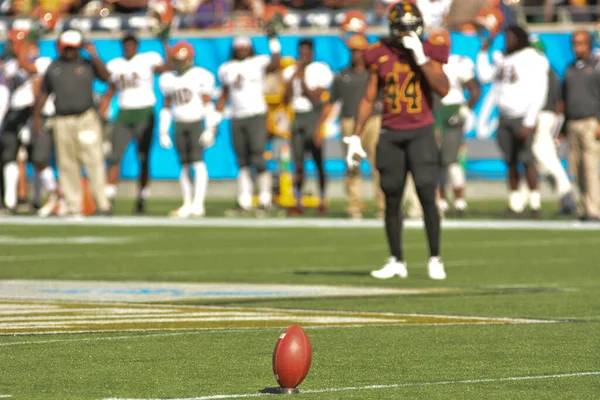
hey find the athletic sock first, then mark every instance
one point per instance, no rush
(535, 200)
(265, 188)
(144, 193)
(515, 201)
(11, 180)
(200, 185)
(186, 185)
(460, 204)
(48, 180)
(111, 191)
(245, 188)
(393, 225)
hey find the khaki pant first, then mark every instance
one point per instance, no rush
(369, 138)
(78, 141)
(583, 162)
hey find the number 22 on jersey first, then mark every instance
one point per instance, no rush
(403, 88)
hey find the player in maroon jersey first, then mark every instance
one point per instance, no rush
(408, 70)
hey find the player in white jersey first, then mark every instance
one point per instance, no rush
(132, 78)
(15, 129)
(306, 83)
(41, 145)
(188, 100)
(243, 84)
(521, 85)
(450, 118)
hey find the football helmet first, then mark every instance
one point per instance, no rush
(48, 20)
(15, 38)
(160, 15)
(405, 17)
(354, 22)
(183, 54)
(489, 21)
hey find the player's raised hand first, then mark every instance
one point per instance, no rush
(355, 151)
(413, 43)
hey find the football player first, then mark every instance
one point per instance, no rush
(188, 100)
(243, 81)
(408, 70)
(451, 117)
(41, 145)
(15, 129)
(306, 84)
(132, 77)
(521, 86)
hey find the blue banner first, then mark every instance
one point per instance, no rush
(212, 52)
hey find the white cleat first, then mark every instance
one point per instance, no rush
(391, 269)
(48, 208)
(185, 211)
(435, 269)
(198, 213)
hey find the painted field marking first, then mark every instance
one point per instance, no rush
(294, 223)
(85, 318)
(54, 240)
(5, 396)
(388, 386)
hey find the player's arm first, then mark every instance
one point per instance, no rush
(474, 92)
(486, 70)
(365, 107)
(275, 60)
(327, 107)
(436, 77)
(23, 59)
(222, 101)
(45, 89)
(99, 67)
(168, 64)
(106, 99)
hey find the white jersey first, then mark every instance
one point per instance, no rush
(245, 80)
(459, 71)
(23, 95)
(134, 79)
(186, 92)
(434, 12)
(521, 83)
(316, 75)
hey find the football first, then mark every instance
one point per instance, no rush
(292, 357)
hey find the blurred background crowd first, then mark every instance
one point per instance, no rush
(235, 14)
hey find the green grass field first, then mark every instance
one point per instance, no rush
(144, 335)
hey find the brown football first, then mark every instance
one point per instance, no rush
(292, 357)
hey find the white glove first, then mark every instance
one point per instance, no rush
(207, 139)
(354, 149)
(25, 135)
(413, 43)
(464, 111)
(165, 141)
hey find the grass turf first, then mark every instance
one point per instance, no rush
(511, 273)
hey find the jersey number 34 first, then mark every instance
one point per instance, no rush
(403, 87)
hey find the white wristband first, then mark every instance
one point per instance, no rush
(422, 60)
(165, 119)
(274, 46)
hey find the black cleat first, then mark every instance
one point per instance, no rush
(509, 213)
(568, 205)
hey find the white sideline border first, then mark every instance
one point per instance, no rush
(294, 223)
(388, 386)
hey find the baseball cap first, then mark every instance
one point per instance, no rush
(357, 42)
(71, 38)
(242, 41)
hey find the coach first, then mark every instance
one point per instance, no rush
(581, 97)
(77, 127)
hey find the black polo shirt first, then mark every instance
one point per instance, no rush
(72, 83)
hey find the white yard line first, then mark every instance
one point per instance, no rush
(5, 396)
(389, 386)
(295, 223)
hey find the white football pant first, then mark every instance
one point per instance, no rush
(546, 154)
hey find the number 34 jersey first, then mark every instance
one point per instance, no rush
(134, 79)
(186, 91)
(408, 99)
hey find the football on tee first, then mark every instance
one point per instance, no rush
(292, 357)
